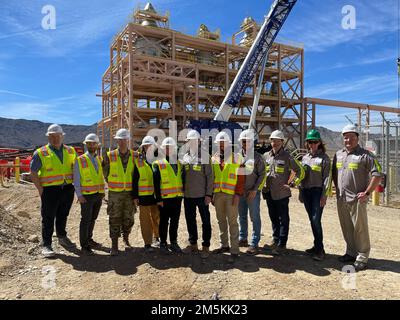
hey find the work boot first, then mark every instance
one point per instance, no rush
(126, 240)
(174, 247)
(148, 248)
(93, 244)
(114, 247)
(66, 243)
(252, 250)
(279, 250)
(205, 253)
(310, 251)
(191, 249)
(243, 243)
(164, 248)
(319, 255)
(221, 250)
(87, 251)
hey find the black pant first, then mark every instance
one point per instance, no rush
(190, 214)
(312, 198)
(56, 203)
(169, 214)
(279, 214)
(89, 213)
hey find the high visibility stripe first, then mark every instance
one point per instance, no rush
(84, 163)
(44, 151)
(378, 166)
(92, 188)
(353, 166)
(316, 168)
(52, 179)
(69, 150)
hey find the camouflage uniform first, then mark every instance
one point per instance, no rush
(120, 208)
(121, 212)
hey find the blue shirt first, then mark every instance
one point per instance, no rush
(36, 163)
(77, 173)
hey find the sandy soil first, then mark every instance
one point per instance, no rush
(24, 274)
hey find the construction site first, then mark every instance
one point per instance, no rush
(157, 76)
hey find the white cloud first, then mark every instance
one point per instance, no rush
(78, 109)
(321, 29)
(362, 89)
(79, 24)
(19, 94)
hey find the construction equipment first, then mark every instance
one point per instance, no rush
(256, 56)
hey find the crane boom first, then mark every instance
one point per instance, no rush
(277, 15)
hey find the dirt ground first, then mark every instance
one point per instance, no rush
(24, 274)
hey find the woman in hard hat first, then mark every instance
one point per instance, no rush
(315, 188)
(280, 165)
(143, 193)
(168, 188)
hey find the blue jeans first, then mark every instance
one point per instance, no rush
(311, 198)
(254, 208)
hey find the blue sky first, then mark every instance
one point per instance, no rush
(53, 75)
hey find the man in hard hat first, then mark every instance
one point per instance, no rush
(143, 193)
(52, 173)
(356, 173)
(279, 166)
(168, 189)
(89, 188)
(254, 167)
(228, 188)
(118, 170)
(198, 180)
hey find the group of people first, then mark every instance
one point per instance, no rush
(156, 180)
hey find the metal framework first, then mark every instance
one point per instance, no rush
(157, 74)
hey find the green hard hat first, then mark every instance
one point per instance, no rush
(313, 135)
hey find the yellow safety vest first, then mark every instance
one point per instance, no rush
(120, 180)
(146, 186)
(92, 181)
(225, 181)
(171, 183)
(53, 172)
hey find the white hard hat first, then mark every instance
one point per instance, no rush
(168, 142)
(350, 128)
(247, 134)
(91, 137)
(223, 137)
(148, 140)
(122, 134)
(277, 134)
(193, 135)
(54, 128)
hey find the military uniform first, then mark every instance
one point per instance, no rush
(120, 208)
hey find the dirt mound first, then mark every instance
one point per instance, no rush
(19, 228)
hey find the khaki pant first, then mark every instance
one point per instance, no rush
(354, 222)
(227, 216)
(149, 223)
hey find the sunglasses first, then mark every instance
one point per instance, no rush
(313, 141)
